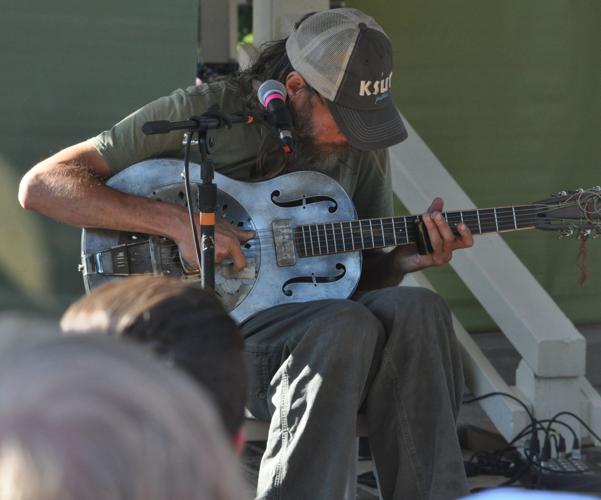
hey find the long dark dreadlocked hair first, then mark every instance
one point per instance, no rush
(272, 63)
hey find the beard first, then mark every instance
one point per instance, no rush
(310, 154)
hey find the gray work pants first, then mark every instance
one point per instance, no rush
(391, 353)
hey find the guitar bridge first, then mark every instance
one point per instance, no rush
(120, 260)
(283, 238)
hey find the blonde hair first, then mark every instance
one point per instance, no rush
(93, 418)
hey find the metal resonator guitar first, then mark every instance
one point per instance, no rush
(308, 240)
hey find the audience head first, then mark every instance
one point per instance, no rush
(182, 323)
(84, 418)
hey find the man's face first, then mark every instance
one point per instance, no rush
(318, 139)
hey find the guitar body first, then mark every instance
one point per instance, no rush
(308, 242)
(272, 208)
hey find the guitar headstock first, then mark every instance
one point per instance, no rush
(572, 213)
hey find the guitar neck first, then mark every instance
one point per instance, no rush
(367, 234)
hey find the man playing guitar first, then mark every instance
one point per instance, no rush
(388, 351)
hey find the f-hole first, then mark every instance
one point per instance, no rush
(313, 280)
(305, 200)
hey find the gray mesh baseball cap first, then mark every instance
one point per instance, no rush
(346, 57)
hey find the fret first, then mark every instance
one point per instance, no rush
(487, 217)
(515, 222)
(350, 228)
(334, 234)
(371, 230)
(305, 241)
(524, 213)
(382, 228)
(406, 230)
(318, 238)
(394, 232)
(361, 231)
(350, 225)
(325, 234)
(446, 216)
(470, 219)
(506, 219)
(479, 225)
(311, 238)
(341, 244)
(496, 220)
(455, 218)
(388, 231)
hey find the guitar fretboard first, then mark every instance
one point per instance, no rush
(366, 234)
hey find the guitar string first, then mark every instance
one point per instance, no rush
(483, 217)
(521, 211)
(525, 214)
(346, 240)
(389, 224)
(397, 225)
(389, 227)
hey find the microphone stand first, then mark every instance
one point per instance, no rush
(207, 190)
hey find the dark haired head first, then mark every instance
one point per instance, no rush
(273, 63)
(184, 324)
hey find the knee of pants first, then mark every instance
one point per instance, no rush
(414, 297)
(347, 331)
(414, 309)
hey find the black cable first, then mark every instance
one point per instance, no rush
(555, 417)
(532, 419)
(532, 454)
(556, 441)
(534, 442)
(497, 459)
(551, 422)
(504, 394)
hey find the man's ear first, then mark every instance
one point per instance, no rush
(294, 84)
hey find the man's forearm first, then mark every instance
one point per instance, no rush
(74, 195)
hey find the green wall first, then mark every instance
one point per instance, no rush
(69, 70)
(507, 94)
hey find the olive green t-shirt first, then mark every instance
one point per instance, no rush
(364, 175)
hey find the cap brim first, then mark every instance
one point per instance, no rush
(367, 130)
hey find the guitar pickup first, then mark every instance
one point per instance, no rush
(283, 238)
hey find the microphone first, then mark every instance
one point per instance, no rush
(272, 95)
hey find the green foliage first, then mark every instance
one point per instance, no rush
(507, 96)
